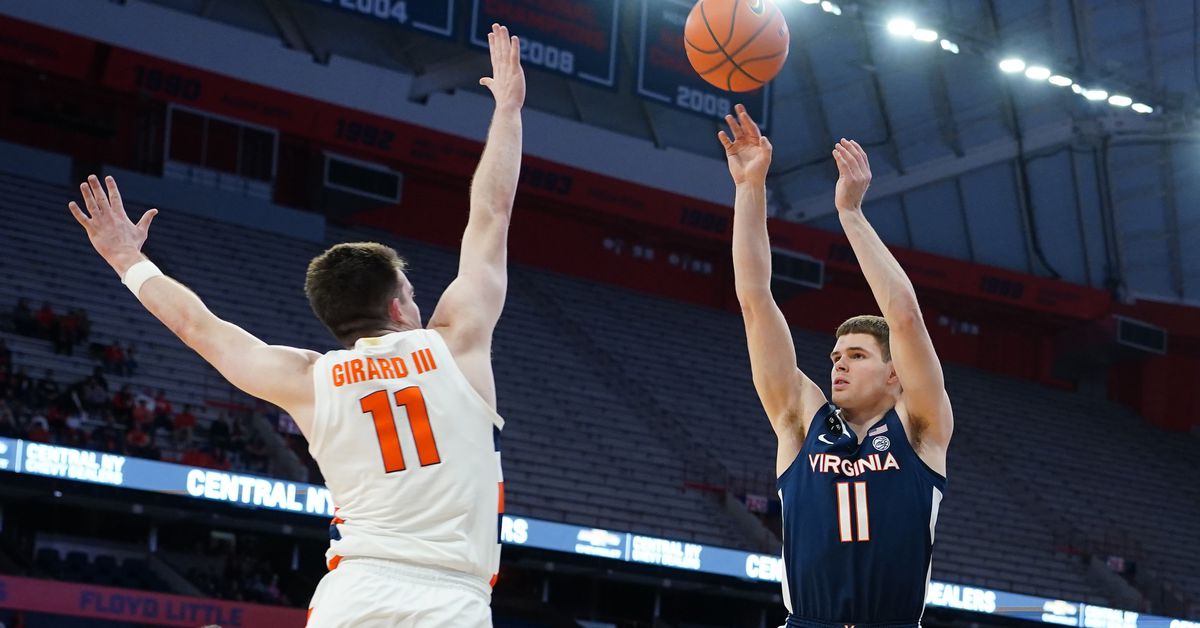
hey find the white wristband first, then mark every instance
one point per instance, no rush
(139, 274)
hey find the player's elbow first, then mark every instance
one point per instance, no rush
(753, 298)
(904, 316)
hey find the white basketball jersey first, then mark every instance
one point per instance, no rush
(410, 453)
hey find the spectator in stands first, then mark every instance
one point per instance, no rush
(197, 457)
(22, 318)
(92, 396)
(98, 375)
(114, 359)
(107, 439)
(138, 443)
(122, 404)
(47, 321)
(5, 354)
(38, 430)
(185, 424)
(66, 335)
(47, 390)
(141, 415)
(162, 408)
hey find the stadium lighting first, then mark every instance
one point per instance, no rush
(1075, 87)
(1037, 72)
(949, 46)
(1140, 108)
(811, 1)
(1095, 94)
(830, 7)
(925, 34)
(1059, 80)
(901, 26)
(1011, 65)
(1117, 100)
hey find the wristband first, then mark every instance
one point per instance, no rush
(139, 274)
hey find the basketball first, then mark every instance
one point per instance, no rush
(736, 45)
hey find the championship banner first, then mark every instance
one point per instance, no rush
(429, 16)
(665, 75)
(574, 38)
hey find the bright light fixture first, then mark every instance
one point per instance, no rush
(830, 7)
(810, 1)
(925, 34)
(949, 46)
(1075, 87)
(1140, 108)
(1037, 72)
(1117, 100)
(1012, 65)
(901, 26)
(1061, 81)
(1095, 94)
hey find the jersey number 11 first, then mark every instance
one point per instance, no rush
(379, 406)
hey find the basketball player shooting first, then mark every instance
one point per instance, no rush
(860, 476)
(403, 422)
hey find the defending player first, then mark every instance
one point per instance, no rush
(403, 422)
(860, 478)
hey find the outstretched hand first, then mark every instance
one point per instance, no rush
(749, 152)
(507, 82)
(117, 239)
(854, 175)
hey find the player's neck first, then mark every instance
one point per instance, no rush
(391, 328)
(860, 419)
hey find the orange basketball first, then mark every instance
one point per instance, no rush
(737, 45)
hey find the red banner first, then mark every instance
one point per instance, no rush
(56, 52)
(129, 71)
(139, 607)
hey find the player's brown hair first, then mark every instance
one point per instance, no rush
(350, 286)
(876, 326)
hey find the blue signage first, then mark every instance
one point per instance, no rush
(575, 38)
(251, 491)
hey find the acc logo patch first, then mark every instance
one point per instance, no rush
(881, 443)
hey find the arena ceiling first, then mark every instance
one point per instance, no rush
(970, 161)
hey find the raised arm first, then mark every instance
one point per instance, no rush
(917, 365)
(789, 397)
(470, 307)
(279, 375)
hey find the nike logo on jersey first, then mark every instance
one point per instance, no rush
(825, 440)
(829, 463)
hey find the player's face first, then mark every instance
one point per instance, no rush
(859, 376)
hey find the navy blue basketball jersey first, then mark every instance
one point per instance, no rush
(858, 524)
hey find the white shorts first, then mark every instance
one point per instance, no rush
(369, 593)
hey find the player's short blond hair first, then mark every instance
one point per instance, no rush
(875, 326)
(350, 286)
